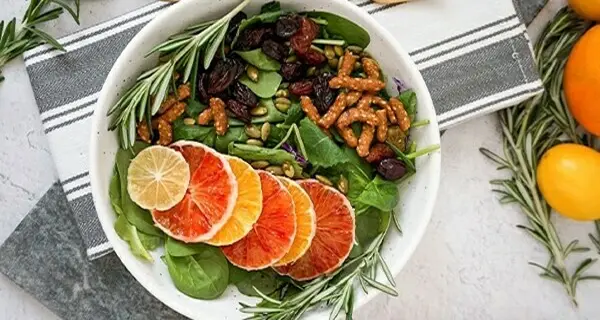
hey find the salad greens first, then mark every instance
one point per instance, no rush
(343, 28)
(260, 60)
(320, 149)
(267, 84)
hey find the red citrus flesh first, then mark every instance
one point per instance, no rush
(334, 236)
(209, 200)
(272, 235)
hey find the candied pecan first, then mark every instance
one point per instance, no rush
(352, 97)
(324, 95)
(357, 84)
(287, 25)
(184, 91)
(174, 112)
(401, 114)
(334, 112)
(205, 117)
(380, 151)
(239, 110)
(301, 88)
(348, 135)
(365, 102)
(348, 62)
(220, 116)
(167, 104)
(292, 71)
(383, 125)
(365, 140)
(143, 131)
(302, 40)
(244, 95)
(274, 50)
(379, 101)
(165, 133)
(309, 108)
(371, 68)
(358, 115)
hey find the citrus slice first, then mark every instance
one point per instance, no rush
(334, 236)
(305, 222)
(272, 235)
(247, 207)
(157, 178)
(209, 200)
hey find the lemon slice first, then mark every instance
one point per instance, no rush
(158, 178)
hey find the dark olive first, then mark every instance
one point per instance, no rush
(391, 169)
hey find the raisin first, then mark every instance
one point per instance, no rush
(202, 93)
(301, 88)
(313, 57)
(274, 50)
(253, 38)
(234, 25)
(324, 95)
(302, 40)
(244, 95)
(292, 71)
(286, 26)
(379, 152)
(391, 169)
(239, 110)
(223, 74)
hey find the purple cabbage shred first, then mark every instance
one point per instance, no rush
(299, 158)
(401, 85)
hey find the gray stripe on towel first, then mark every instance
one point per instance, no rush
(87, 221)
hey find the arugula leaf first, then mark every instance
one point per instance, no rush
(129, 233)
(272, 6)
(409, 100)
(277, 134)
(320, 149)
(260, 60)
(267, 84)
(234, 134)
(381, 194)
(294, 113)
(267, 281)
(273, 156)
(177, 248)
(343, 28)
(194, 108)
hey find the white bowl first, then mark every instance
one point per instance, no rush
(417, 200)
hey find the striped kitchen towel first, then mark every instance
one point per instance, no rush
(474, 55)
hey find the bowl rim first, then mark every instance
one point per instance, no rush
(418, 83)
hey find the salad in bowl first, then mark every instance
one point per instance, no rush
(267, 162)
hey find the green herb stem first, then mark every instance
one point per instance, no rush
(330, 42)
(420, 123)
(320, 21)
(423, 152)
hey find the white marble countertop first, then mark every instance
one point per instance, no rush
(471, 264)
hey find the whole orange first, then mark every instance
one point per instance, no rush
(582, 81)
(587, 9)
(568, 176)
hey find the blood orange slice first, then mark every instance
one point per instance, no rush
(273, 234)
(247, 207)
(209, 200)
(334, 236)
(305, 222)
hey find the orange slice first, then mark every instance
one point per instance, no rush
(272, 236)
(305, 222)
(247, 207)
(334, 236)
(209, 201)
(157, 178)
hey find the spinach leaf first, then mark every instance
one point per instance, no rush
(150, 242)
(129, 233)
(320, 149)
(343, 28)
(260, 60)
(194, 108)
(267, 17)
(355, 162)
(267, 281)
(267, 84)
(368, 226)
(273, 115)
(198, 133)
(273, 156)
(138, 146)
(409, 99)
(294, 114)
(176, 248)
(234, 134)
(114, 192)
(270, 7)
(381, 194)
(202, 276)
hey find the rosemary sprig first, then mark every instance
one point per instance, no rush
(183, 52)
(529, 130)
(336, 290)
(596, 239)
(14, 42)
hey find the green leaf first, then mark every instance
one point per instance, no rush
(46, 37)
(409, 100)
(114, 192)
(198, 133)
(176, 248)
(194, 108)
(267, 17)
(320, 149)
(369, 225)
(129, 233)
(381, 194)
(273, 156)
(234, 134)
(343, 28)
(214, 45)
(266, 281)
(202, 276)
(149, 242)
(260, 60)
(9, 33)
(294, 114)
(273, 6)
(267, 84)
(74, 13)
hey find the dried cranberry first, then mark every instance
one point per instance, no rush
(379, 152)
(274, 50)
(302, 40)
(324, 95)
(234, 25)
(239, 110)
(292, 71)
(313, 58)
(286, 26)
(391, 169)
(253, 38)
(244, 95)
(202, 93)
(223, 73)
(301, 88)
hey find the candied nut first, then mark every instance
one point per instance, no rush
(352, 97)
(371, 68)
(184, 91)
(379, 101)
(143, 131)
(347, 64)
(334, 112)
(174, 112)
(205, 117)
(365, 140)
(170, 101)
(358, 115)
(309, 108)
(401, 114)
(357, 84)
(165, 133)
(380, 151)
(220, 116)
(349, 137)
(365, 102)
(383, 127)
